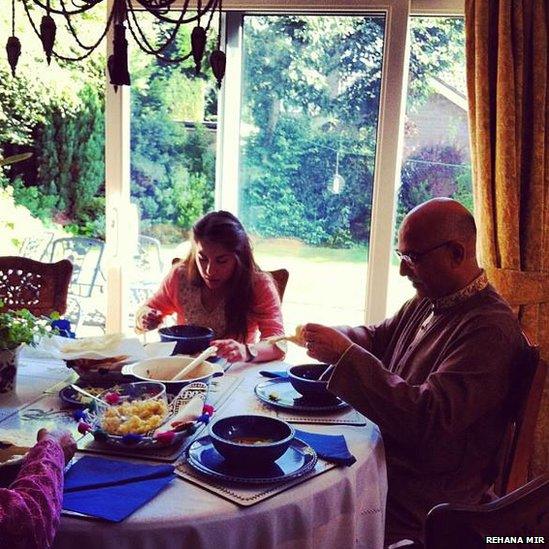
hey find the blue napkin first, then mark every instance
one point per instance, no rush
(63, 327)
(330, 447)
(276, 374)
(112, 490)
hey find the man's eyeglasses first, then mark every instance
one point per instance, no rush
(414, 257)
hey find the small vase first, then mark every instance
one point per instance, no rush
(8, 369)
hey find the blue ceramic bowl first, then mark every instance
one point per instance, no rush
(304, 379)
(250, 439)
(189, 339)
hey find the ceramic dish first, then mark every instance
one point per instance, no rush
(71, 397)
(304, 379)
(298, 459)
(165, 368)
(251, 438)
(280, 393)
(189, 338)
(148, 440)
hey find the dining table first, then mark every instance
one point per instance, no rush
(335, 507)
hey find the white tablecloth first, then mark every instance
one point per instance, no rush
(343, 507)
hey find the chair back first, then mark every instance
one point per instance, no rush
(39, 287)
(522, 513)
(149, 257)
(280, 277)
(85, 254)
(517, 444)
(37, 247)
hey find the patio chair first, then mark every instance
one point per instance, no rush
(41, 288)
(37, 247)
(523, 513)
(148, 257)
(85, 254)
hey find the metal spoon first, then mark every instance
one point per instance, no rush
(101, 401)
(326, 373)
(195, 362)
(89, 395)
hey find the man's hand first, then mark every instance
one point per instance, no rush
(63, 438)
(230, 350)
(324, 343)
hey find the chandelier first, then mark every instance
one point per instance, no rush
(122, 17)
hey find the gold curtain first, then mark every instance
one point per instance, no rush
(506, 51)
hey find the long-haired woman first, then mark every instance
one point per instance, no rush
(220, 285)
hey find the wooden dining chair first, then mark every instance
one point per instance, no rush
(523, 513)
(280, 277)
(39, 287)
(518, 441)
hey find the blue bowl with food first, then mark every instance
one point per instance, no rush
(304, 379)
(251, 439)
(189, 338)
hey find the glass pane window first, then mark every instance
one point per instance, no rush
(173, 137)
(310, 101)
(52, 205)
(436, 160)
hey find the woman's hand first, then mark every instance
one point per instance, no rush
(151, 319)
(63, 438)
(230, 349)
(324, 343)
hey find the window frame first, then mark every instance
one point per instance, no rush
(395, 64)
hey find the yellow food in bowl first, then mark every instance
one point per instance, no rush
(137, 417)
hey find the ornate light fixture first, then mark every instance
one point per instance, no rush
(123, 17)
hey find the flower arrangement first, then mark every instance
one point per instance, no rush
(18, 327)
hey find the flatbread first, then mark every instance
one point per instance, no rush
(107, 363)
(87, 344)
(11, 454)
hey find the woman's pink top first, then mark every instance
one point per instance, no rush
(31, 506)
(177, 295)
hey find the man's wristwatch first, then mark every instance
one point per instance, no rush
(251, 352)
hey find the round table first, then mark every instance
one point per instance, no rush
(340, 508)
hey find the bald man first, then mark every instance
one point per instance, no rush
(436, 376)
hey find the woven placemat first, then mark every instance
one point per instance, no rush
(244, 398)
(245, 495)
(343, 416)
(88, 444)
(220, 390)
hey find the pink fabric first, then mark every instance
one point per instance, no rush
(30, 507)
(264, 319)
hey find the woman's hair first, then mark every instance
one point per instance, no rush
(225, 229)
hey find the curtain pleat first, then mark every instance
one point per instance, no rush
(507, 81)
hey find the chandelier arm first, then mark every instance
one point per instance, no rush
(90, 5)
(148, 48)
(57, 55)
(190, 19)
(219, 26)
(73, 32)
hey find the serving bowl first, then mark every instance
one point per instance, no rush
(251, 439)
(165, 368)
(304, 379)
(189, 338)
(133, 409)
